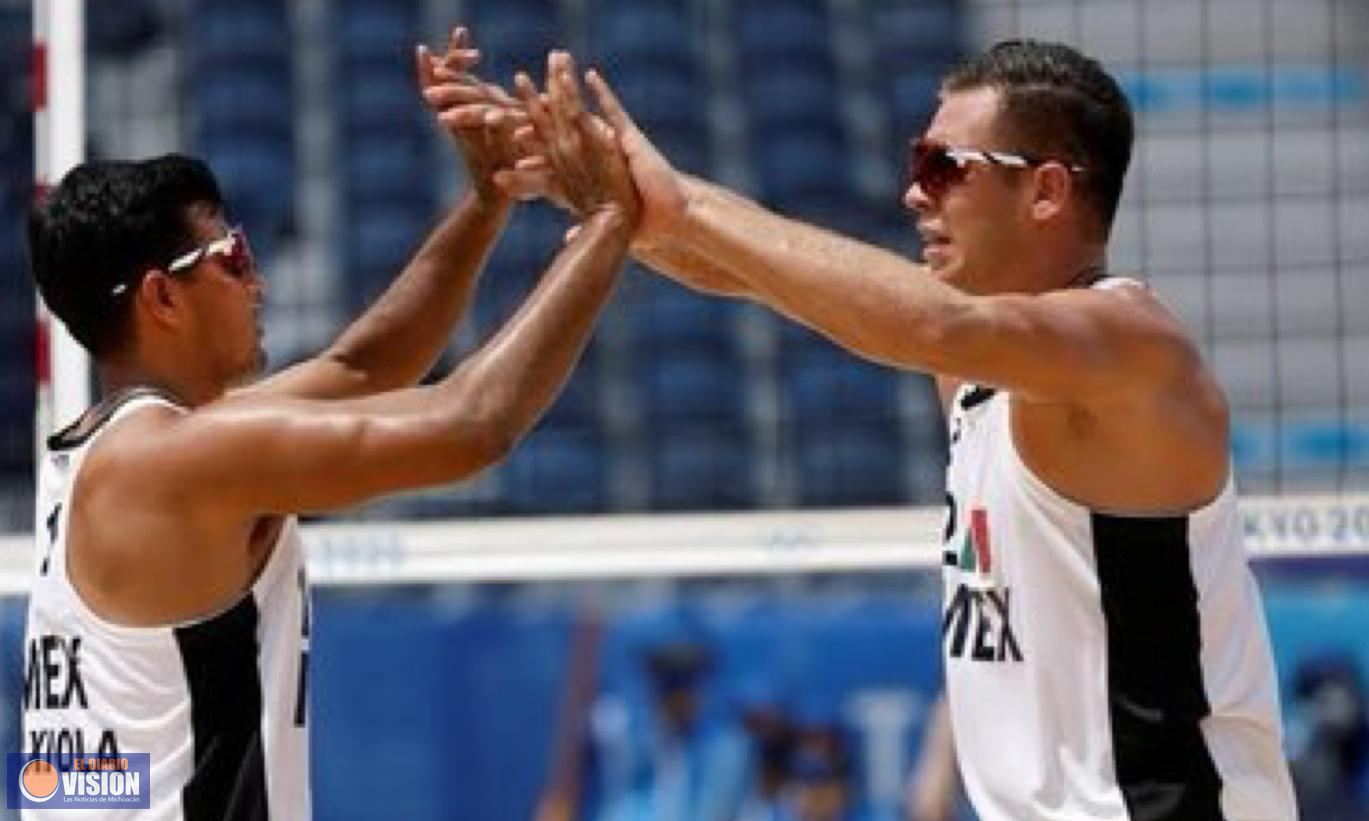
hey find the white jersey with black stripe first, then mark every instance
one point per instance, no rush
(219, 704)
(1100, 666)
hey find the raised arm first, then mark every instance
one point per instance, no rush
(1068, 344)
(252, 454)
(397, 340)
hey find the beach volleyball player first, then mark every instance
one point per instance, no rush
(169, 610)
(1105, 649)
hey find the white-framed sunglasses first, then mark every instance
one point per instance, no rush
(937, 167)
(231, 247)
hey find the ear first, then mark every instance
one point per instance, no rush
(1052, 191)
(160, 297)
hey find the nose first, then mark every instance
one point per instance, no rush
(916, 198)
(255, 282)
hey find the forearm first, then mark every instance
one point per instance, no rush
(520, 371)
(869, 300)
(397, 340)
(675, 259)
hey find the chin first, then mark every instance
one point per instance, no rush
(253, 370)
(951, 275)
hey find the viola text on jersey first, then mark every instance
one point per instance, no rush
(52, 681)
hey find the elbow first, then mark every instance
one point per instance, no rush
(483, 437)
(494, 444)
(938, 341)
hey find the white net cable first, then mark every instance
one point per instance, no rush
(706, 545)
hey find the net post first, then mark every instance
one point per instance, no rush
(62, 368)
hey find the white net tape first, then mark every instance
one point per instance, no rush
(709, 544)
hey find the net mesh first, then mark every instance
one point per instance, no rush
(1244, 208)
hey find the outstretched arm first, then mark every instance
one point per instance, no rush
(248, 454)
(1065, 345)
(1061, 345)
(397, 340)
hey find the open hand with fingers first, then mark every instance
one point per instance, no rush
(481, 117)
(575, 148)
(661, 190)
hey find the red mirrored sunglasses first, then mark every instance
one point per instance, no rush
(936, 167)
(232, 248)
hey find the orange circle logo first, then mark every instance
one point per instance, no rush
(38, 780)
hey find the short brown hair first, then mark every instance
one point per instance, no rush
(1058, 103)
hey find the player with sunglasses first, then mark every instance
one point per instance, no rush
(169, 602)
(1104, 644)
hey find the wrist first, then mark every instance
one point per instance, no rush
(609, 216)
(665, 225)
(488, 200)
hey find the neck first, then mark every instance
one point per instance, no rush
(116, 377)
(1086, 276)
(1078, 267)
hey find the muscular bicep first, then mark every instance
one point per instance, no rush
(251, 456)
(1065, 345)
(328, 375)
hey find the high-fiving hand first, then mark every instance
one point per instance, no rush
(660, 188)
(484, 135)
(571, 147)
(547, 144)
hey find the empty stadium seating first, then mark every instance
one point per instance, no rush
(1248, 223)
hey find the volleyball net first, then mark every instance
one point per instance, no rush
(807, 572)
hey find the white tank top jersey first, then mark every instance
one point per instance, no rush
(219, 704)
(1100, 666)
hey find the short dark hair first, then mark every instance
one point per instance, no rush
(1058, 103)
(102, 227)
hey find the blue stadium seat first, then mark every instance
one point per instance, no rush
(905, 33)
(379, 96)
(377, 238)
(792, 92)
(557, 470)
(577, 407)
(661, 97)
(13, 265)
(16, 356)
(647, 51)
(394, 165)
(666, 315)
(257, 175)
(801, 163)
(16, 37)
(913, 101)
(775, 28)
(850, 464)
(530, 241)
(375, 30)
(122, 29)
(515, 35)
(695, 383)
(247, 97)
(833, 388)
(701, 467)
(221, 35)
(687, 146)
(840, 208)
(915, 44)
(637, 34)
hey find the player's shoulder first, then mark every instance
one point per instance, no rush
(1135, 304)
(132, 438)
